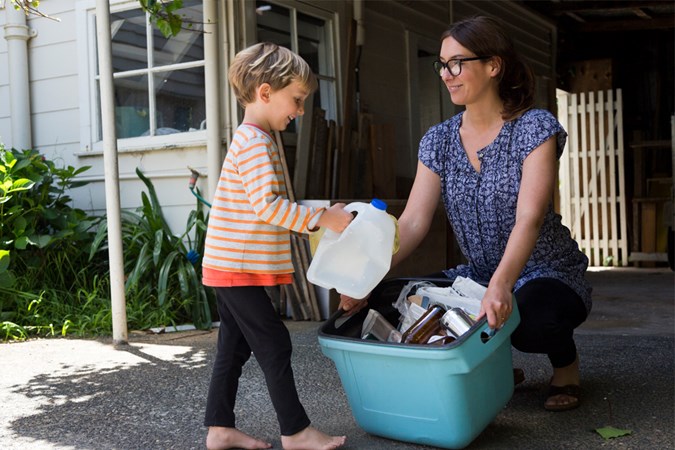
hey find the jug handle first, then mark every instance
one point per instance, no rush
(355, 208)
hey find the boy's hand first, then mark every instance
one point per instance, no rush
(335, 218)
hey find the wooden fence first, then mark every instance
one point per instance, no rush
(592, 185)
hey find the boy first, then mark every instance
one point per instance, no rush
(248, 248)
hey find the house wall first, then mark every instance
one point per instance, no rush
(388, 80)
(52, 59)
(5, 122)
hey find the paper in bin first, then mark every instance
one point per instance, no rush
(450, 298)
(468, 288)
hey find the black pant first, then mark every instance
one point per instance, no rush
(549, 312)
(248, 322)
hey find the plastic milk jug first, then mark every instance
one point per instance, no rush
(356, 260)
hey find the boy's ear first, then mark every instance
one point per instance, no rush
(263, 92)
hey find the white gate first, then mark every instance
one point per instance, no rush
(592, 187)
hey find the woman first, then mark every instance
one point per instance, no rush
(494, 166)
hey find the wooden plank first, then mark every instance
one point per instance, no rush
(344, 186)
(593, 190)
(591, 75)
(623, 244)
(303, 148)
(612, 176)
(603, 163)
(648, 227)
(292, 302)
(583, 186)
(299, 258)
(304, 300)
(330, 155)
(319, 144)
(576, 182)
(564, 170)
(651, 257)
(337, 161)
(382, 153)
(363, 164)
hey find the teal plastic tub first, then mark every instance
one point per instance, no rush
(440, 396)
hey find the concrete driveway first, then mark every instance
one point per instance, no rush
(86, 394)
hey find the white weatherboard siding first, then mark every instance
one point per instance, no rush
(55, 58)
(52, 61)
(5, 122)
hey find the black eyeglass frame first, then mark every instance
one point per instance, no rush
(440, 65)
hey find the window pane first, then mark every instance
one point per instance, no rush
(310, 35)
(129, 40)
(188, 45)
(132, 116)
(274, 25)
(180, 100)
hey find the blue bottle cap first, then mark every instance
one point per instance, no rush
(379, 204)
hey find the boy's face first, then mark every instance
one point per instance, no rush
(285, 105)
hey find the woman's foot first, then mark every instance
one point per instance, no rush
(221, 438)
(311, 439)
(564, 392)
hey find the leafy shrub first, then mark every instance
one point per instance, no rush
(54, 274)
(161, 267)
(45, 272)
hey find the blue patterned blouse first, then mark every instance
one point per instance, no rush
(481, 206)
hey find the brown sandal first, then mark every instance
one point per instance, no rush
(571, 390)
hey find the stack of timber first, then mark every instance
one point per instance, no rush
(371, 171)
(300, 296)
(355, 160)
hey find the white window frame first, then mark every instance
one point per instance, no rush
(89, 100)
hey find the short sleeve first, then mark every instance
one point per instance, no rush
(534, 128)
(432, 146)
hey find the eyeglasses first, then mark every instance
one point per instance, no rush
(454, 66)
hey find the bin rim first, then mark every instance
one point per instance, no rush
(479, 331)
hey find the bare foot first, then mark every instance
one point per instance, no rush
(221, 438)
(564, 376)
(311, 439)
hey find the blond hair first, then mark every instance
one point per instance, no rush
(266, 62)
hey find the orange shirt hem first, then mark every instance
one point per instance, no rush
(219, 278)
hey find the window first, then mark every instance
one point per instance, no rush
(308, 31)
(159, 82)
(308, 35)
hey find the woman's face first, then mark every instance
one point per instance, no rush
(476, 78)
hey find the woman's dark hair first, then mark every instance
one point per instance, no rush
(485, 36)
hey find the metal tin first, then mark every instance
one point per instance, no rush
(457, 321)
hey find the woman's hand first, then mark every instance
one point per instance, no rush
(352, 305)
(497, 304)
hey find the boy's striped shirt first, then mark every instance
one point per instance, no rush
(250, 218)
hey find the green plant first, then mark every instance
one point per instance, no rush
(159, 265)
(34, 206)
(54, 274)
(44, 248)
(11, 215)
